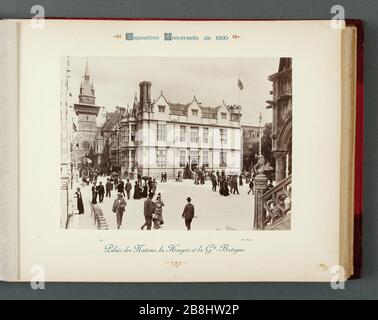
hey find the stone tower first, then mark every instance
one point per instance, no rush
(86, 112)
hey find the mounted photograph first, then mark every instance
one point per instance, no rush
(185, 144)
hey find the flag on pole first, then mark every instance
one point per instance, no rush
(240, 84)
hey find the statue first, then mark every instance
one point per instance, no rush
(259, 167)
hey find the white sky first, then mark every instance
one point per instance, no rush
(211, 80)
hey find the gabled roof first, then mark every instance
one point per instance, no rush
(181, 109)
(112, 118)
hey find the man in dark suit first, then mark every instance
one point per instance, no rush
(119, 206)
(109, 188)
(128, 188)
(101, 192)
(214, 182)
(188, 213)
(121, 187)
(149, 209)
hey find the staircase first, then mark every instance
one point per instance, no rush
(283, 223)
(98, 217)
(277, 205)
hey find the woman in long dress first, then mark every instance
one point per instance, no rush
(145, 190)
(137, 194)
(79, 199)
(226, 191)
(158, 214)
(94, 194)
(221, 187)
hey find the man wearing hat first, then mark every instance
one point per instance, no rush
(119, 208)
(188, 213)
(148, 210)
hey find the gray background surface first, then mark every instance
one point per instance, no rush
(364, 288)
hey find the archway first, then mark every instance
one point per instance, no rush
(194, 164)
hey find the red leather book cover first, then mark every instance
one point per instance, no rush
(358, 167)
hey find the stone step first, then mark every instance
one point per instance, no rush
(283, 223)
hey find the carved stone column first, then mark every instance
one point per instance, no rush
(259, 185)
(280, 165)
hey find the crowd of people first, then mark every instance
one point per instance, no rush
(146, 188)
(89, 174)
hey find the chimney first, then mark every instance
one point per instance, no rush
(145, 95)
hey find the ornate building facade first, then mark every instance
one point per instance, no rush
(86, 111)
(281, 104)
(158, 135)
(272, 208)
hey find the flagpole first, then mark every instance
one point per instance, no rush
(238, 90)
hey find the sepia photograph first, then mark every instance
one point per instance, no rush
(154, 143)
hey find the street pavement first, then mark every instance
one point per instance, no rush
(212, 211)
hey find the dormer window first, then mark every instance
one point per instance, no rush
(161, 108)
(194, 113)
(224, 115)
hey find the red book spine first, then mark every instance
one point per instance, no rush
(358, 166)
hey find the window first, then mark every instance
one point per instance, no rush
(161, 108)
(114, 140)
(194, 113)
(127, 132)
(86, 146)
(133, 132)
(114, 158)
(224, 115)
(205, 158)
(205, 135)
(124, 158)
(223, 159)
(223, 136)
(161, 158)
(182, 133)
(132, 159)
(194, 157)
(161, 132)
(194, 153)
(182, 158)
(124, 133)
(194, 134)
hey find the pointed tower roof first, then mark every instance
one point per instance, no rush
(86, 95)
(86, 73)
